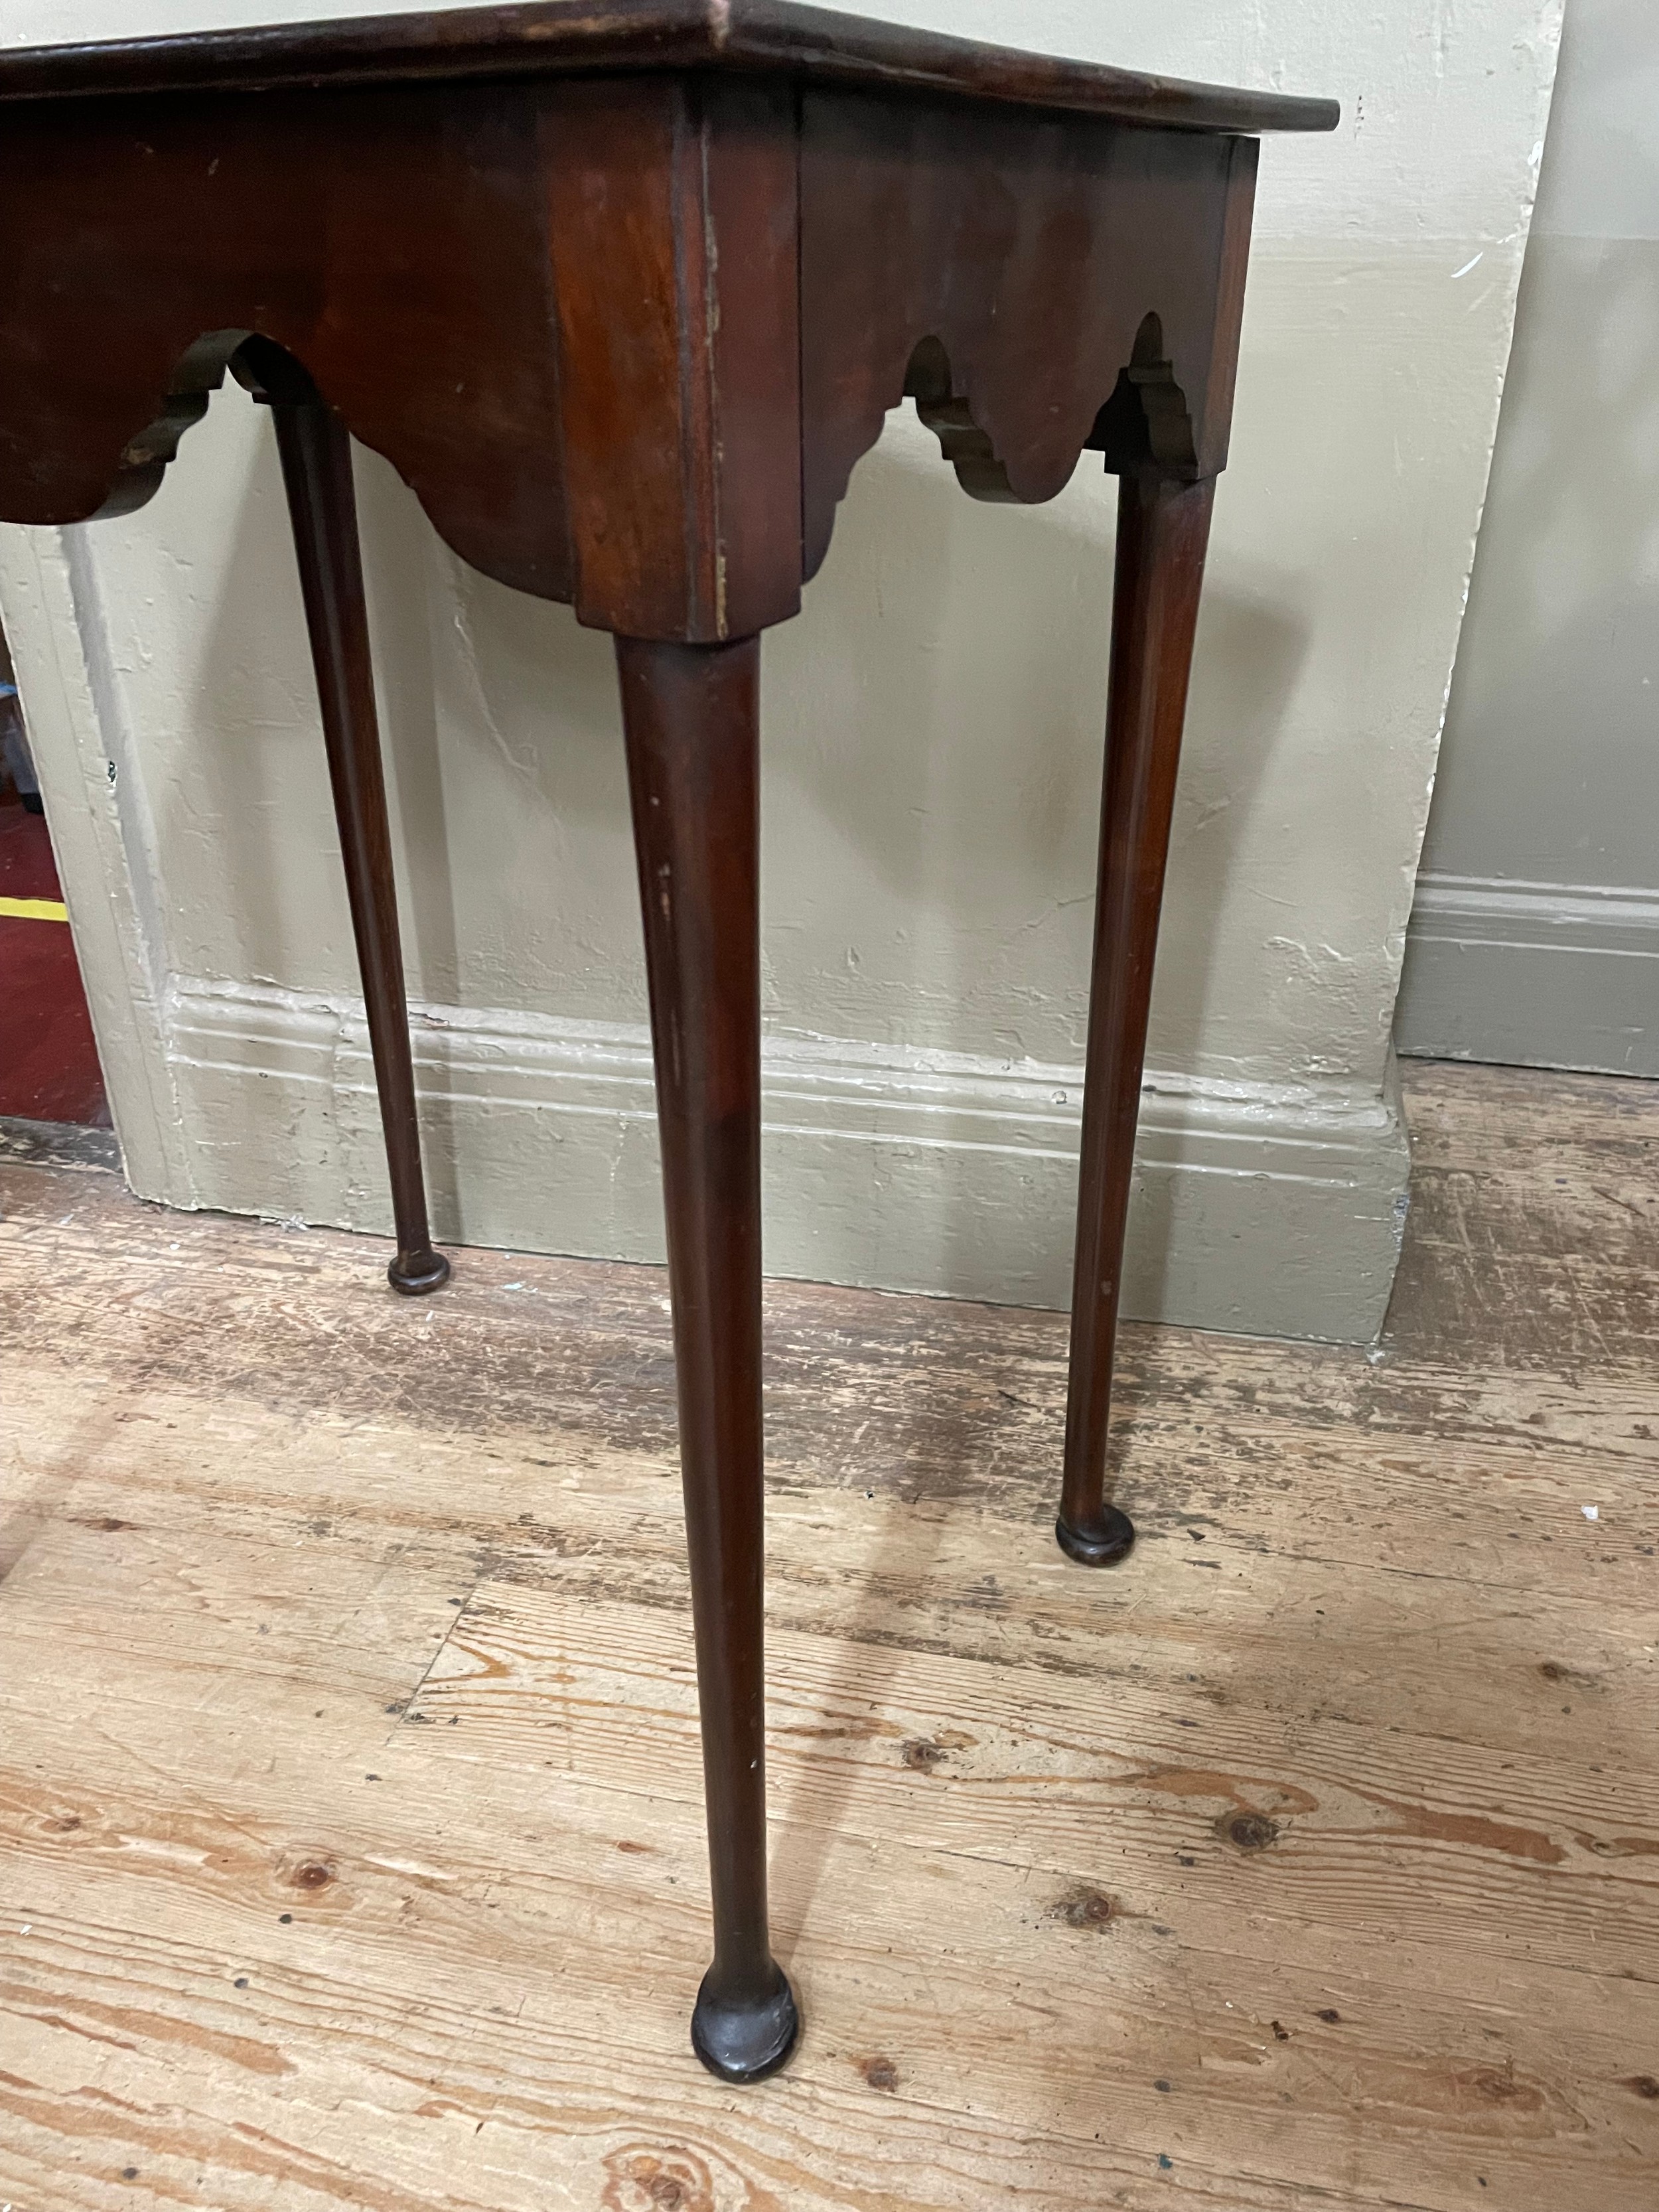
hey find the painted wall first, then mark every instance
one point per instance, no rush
(1535, 937)
(933, 768)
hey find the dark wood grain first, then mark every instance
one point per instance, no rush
(692, 718)
(1163, 529)
(570, 313)
(1010, 274)
(607, 414)
(625, 294)
(322, 500)
(672, 234)
(562, 35)
(393, 242)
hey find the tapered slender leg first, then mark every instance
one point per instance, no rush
(690, 714)
(1162, 528)
(316, 455)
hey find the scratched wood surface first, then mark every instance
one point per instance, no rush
(348, 1789)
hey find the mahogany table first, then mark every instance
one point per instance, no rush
(623, 292)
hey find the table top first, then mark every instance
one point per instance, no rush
(553, 37)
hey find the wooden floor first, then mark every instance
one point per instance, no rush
(349, 1782)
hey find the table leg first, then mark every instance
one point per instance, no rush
(316, 455)
(691, 717)
(1162, 531)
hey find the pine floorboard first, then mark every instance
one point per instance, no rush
(350, 1835)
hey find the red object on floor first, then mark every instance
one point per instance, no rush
(49, 1067)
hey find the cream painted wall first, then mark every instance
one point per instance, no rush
(1535, 936)
(932, 765)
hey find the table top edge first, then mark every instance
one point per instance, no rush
(551, 37)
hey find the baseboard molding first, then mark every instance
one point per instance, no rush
(1532, 974)
(1270, 1210)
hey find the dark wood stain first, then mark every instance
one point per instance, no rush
(1249, 1832)
(316, 461)
(1474, 1830)
(1162, 532)
(558, 37)
(1083, 1907)
(623, 296)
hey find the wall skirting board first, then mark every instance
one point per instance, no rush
(1536, 975)
(937, 1172)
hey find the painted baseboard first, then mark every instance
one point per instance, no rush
(1272, 1211)
(1532, 974)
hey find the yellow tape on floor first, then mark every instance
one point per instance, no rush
(34, 909)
